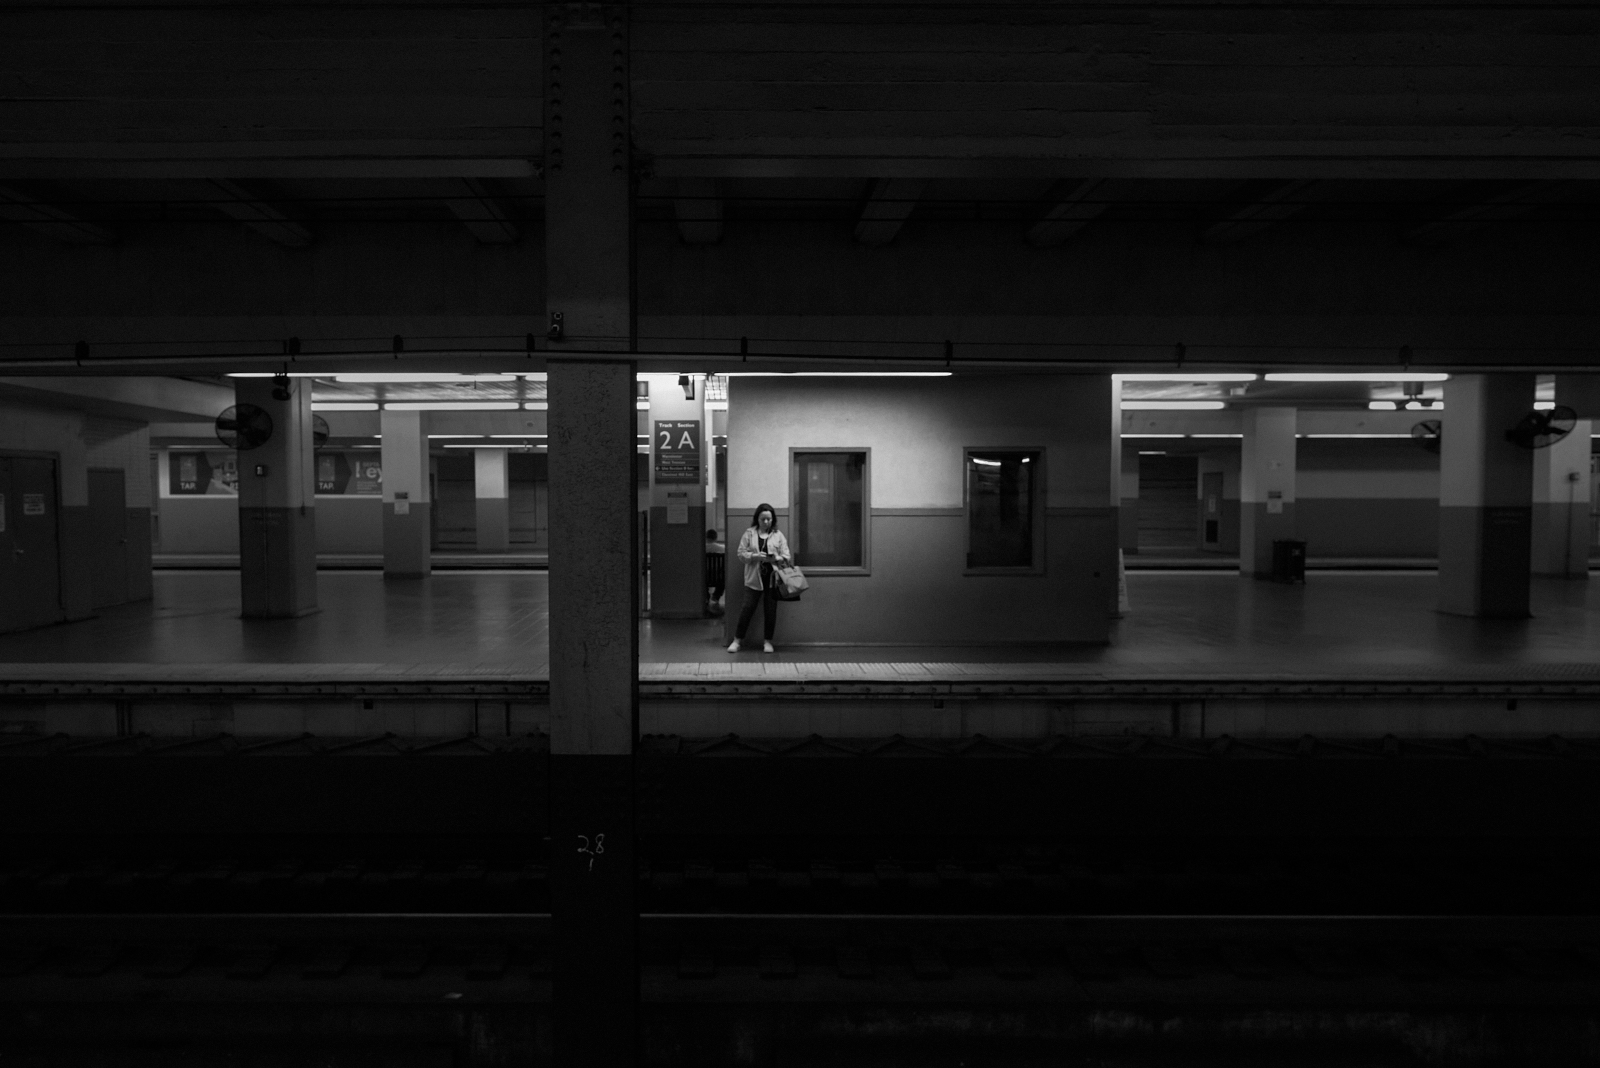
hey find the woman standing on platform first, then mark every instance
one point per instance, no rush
(762, 546)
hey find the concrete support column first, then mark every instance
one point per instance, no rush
(1266, 486)
(594, 611)
(493, 499)
(1561, 501)
(277, 513)
(1485, 497)
(407, 496)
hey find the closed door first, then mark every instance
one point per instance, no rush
(1211, 507)
(30, 572)
(108, 537)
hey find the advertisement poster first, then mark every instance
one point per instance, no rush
(677, 447)
(339, 473)
(201, 474)
(357, 474)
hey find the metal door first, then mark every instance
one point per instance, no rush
(108, 537)
(1211, 508)
(30, 572)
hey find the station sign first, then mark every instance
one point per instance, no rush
(676, 445)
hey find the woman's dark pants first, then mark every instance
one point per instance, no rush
(769, 603)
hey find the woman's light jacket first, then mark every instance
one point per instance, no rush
(750, 544)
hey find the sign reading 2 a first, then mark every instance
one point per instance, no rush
(676, 444)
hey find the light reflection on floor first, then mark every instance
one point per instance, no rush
(1338, 620)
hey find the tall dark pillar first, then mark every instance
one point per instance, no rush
(594, 648)
(277, 513)
(1485, 498)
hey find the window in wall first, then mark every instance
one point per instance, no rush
(828, 527)
(1004, 506)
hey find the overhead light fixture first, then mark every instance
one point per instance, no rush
(1356, 376)
(1355, 436)
(405, 377)
(1424, 406)
(1179, 376)
(1211, 435)
(1154, 435)
(450, 406)
(1173, 406)
(528, 446)
(1382, 406)
(541, 437)
(273, 374)
(344, 406)
(438, 437)
(1152, 452)
(839, 374)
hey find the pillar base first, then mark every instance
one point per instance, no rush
(408, 541)
(494, 524)
(1483, 561)
(277, 562)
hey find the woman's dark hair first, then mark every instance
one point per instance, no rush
(755, 520)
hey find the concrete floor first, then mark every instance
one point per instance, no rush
(1338, 623)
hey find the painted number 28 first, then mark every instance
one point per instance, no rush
(594, 850)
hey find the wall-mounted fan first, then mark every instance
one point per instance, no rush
(1540, 429)
(1428, 434)
(319, 431)
(244, 427)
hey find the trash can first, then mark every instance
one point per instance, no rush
(1288, 561)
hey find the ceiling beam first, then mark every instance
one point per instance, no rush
(237, 202)
(19, 207)
(890, 203)
(1071, 211)
(486, 216)
(698, 206)
(1510, 204)
(1270, 205)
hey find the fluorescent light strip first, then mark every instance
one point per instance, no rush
(1211, 435)
(1173, 406)
(1152, 452)
(403, 377)
(271, 374)
(450, 406)
(1154, 435)
(343, 406)
(1353, 435)
(539, 436)
(1359, 376)
(435, 437)
(1180, 377)
(839, 374)
(528, 446)
(1382, 406)
(536, 406)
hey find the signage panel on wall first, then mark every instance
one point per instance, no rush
(204, 473)
(676, 444)
(356, 474)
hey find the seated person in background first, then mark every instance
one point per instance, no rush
(715, 572)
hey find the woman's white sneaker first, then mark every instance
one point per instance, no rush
(766, 647)
(733, 647)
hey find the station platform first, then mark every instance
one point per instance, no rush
(1341, 626)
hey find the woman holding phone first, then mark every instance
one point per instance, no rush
(761, 548)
